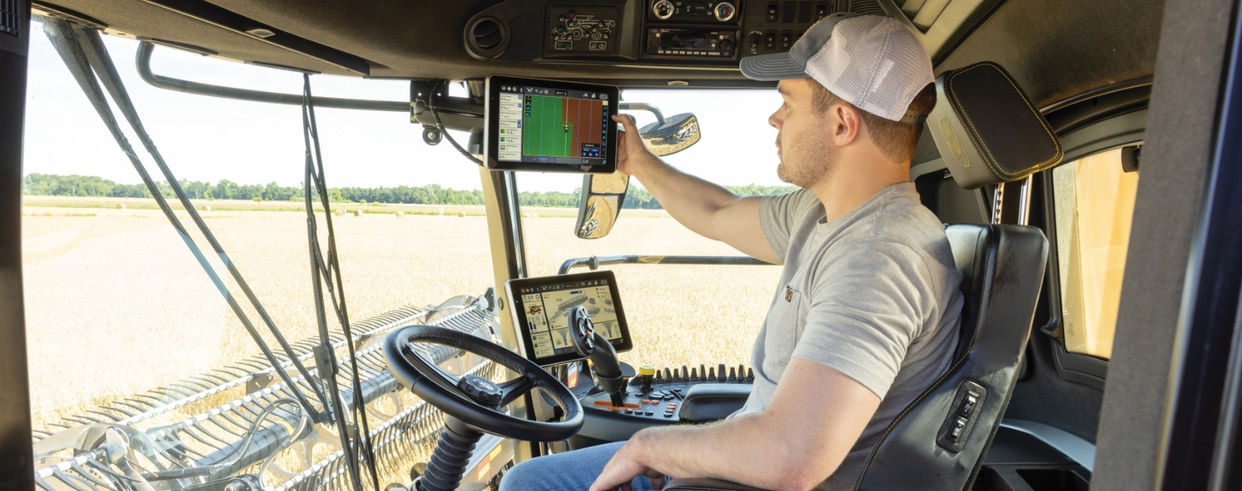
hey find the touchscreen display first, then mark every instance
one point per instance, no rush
(550, 125)
(541, 309)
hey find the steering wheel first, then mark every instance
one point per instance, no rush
(474, 400)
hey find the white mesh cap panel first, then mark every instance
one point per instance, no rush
(874, 63)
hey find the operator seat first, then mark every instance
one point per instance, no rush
(988, 133)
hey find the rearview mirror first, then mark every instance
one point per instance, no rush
(604, 194)
(673, 135)
(600, 204)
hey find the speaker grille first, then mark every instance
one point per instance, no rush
(10, 17)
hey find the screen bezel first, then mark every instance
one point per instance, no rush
(491, 136)
(516, 308)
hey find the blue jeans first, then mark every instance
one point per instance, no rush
(569, 471)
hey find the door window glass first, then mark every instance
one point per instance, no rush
(1094, 204)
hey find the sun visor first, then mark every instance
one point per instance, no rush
(986, 128)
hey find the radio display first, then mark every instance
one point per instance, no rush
(697, 41)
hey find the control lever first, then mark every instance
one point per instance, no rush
(605, 368)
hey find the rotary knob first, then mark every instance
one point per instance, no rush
(663, 9)
(724, 11)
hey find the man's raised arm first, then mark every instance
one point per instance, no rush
(706, 208)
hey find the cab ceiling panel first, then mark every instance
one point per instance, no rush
(1057, 49)
(228, 39)
(941, 24)
(629, 42)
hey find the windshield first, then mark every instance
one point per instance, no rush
(123, 324)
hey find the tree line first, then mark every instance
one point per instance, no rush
(431, 194)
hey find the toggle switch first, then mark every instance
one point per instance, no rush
(959, 426)
(968, 404)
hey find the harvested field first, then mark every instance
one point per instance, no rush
(116, 304)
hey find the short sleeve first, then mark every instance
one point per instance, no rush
(868, 304)
(779, 214)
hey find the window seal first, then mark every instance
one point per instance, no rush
(1073, 367)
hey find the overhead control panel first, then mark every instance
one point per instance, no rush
(674, 33)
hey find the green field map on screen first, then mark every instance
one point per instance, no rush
(558, 127)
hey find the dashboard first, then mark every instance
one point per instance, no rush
(674, 33)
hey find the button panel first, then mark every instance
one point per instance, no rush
(776, 26)
(963, 415)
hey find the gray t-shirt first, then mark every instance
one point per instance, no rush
(873, 294)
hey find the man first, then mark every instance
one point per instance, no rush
(865, 317)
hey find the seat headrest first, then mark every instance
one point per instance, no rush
(986, 128)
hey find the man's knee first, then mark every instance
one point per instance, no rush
(524, 476)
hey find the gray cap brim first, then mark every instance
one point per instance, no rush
(775, 66)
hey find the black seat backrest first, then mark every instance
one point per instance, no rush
(1002, 272)
(988, 132)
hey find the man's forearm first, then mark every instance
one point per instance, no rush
(689, 199)
(739, 450)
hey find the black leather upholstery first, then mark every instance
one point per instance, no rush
(711, 402)
(1003, 271)
(986, 128)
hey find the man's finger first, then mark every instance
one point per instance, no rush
(626, 122)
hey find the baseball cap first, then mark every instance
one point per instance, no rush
(871, 61)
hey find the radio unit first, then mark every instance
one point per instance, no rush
(695, 11)
(691, 42)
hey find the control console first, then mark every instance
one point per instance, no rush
(652, 398)
(658, 394)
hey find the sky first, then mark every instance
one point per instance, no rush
(209, 139)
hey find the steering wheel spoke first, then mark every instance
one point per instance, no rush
(513, 389)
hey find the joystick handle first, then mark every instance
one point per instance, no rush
(605, 368)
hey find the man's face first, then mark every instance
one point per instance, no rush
(802, 144)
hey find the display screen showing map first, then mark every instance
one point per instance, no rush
(542, 310)
(549, 125)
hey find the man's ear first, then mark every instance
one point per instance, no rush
(845, 123)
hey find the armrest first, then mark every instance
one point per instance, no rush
(705, 484)
(712, 402)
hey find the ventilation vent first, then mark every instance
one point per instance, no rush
(486, 37)
(10, 17)
(867, 7)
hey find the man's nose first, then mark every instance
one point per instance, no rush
(776, 119)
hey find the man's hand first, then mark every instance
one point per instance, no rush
(625, 465)
(707, 209)
(632, 155)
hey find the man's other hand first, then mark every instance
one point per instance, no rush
(626, 465)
